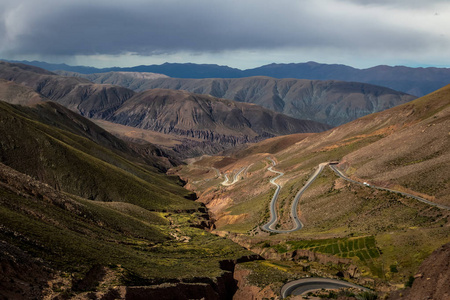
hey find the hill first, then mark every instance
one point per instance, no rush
(77, 94)
(206, 118)
(117, 104)
(347, 225)
(329, 102)
(414, 81)
(130, 80)
(82, 215)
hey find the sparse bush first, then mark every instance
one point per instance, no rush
(410, 281)
(393, 268)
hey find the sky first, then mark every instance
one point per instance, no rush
(238, 33)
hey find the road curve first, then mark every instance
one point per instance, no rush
(340, 174)
(305, 285)
(235, 177)
(269, 226)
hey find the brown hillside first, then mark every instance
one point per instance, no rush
(77, 94)
(405, 148)
(330, 102)
(431, 280)
(207, 124)
(17, 94)
(206, 117)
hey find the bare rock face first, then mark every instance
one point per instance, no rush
(330, 102)
(207, 118)
(432, 279)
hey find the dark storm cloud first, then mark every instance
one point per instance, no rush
(149, 27)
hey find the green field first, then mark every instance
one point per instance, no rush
(363, 250)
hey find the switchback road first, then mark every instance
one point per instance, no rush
(235, 177)
(306, 285)
(269, 226)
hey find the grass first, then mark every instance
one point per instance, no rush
(264, 273)
(257, 209)
(75, 240)
(99, 208)
(79, 166)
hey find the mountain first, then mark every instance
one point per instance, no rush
(330, 102)
(78, 94)
(179, 70)
(371, 236)
(206, 117)
(130, 80)
(219, 123)
(414, 81)
(82, 215)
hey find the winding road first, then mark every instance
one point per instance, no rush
(340, 174)
(305, 285)
(235, 177)
(269, 226)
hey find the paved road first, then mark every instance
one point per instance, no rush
(235, 177)
(270, 226)
(340, 174)
(306, 285)
(273, 210)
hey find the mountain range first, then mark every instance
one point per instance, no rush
(86, 215)
(414, 81)
(329, 102)
(196, 118)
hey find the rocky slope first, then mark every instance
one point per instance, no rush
(206, 118)
(219, 123)
(133, 80)
(90, 100)
(414, 81)
(329, 102)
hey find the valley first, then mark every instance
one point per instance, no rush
(187, 123)
(110, 193)
(364, 213)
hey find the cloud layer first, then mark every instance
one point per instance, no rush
(80, 27)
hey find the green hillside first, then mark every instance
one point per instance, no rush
(71, 208)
